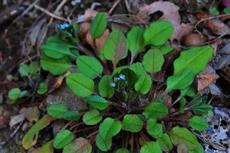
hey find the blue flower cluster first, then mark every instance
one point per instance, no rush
(63, 26)
(121, 77)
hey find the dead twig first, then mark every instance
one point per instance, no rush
(49, 13)
(114, 6)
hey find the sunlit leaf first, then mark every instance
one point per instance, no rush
(92, 117)
(105, 86)
(62, 139)
(80, 84)
(115, 47)
(98, 25)
(97, 102)
(55, 66)
(158, 32)
(154, 129)
(143, 84)
(180, 80)
(195, 59)
(156, 109)
(135, 39)
(198, 123)
(153, 61)
(89, 66)
(150, 147)
(132, 123)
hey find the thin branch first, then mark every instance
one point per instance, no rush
(49, 13)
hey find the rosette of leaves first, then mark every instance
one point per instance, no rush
(119, 87)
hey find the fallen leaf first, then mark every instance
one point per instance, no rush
(194, 39)
(31, 113)
(217, 27)
(170, 12)
(206, 78)
(101, 40)
(14, 120)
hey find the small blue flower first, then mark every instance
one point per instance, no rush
(122, 77)
(63, 26)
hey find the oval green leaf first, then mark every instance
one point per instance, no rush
(195, 59)
(132, 123)
(42, 88)
(57, 110)
(92, 117)
(55, 66)
(180, 80)
(97, 102)
(62, 139)
(143, 84)
(135, 39)
(153, 61)
(122, 150)
(154, 129)
(80, 84)
(198, 123)
(150, 147)
(158, 32)
(104, 86)
(89, 66)
(98, 25)
(155, 110)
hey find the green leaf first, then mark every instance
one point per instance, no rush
(188, 91)
(182, 104)
(71, 115)
(97, 102)
(98, 25)
(42, 88)
(14, 94)
(46, 148)
(132, 123)
(180, 135)
(57, 110)
(199, 149)
(198, 123)
(104, 144)
(154, 129)
(155, 110)
(57, 50)
(214, 11)
(62, 139)
(153, 61)
(30, 138)
(227, 10)
(79, 145)
(135, 39)
(158, 32)
(92, 117)
(199, 106)
(24, 70)
(109, 128)
(165, 142)
(89, 66)
(195, 59)
(180, 80)
(150, 147)
(165, 49)
(143, 84)
(34, 68)
(104, 86)
(80, 84)
(55, 66)
(138, 69)
(115, 47)
(122, 150)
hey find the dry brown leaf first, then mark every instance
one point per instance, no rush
(101, 41)
(217, 27)
(89, 13)
(14, 120)
(206, 78)
(31, 113)
(194, 39)
(170, 12)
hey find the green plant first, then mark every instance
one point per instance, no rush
(124, 101)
